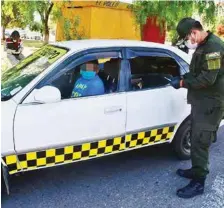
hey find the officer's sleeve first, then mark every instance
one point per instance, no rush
(212, 60)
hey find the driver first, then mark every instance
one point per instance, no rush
(89, 83)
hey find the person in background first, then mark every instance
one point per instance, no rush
(14, 48)
(89, 83)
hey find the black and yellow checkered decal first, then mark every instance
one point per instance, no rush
(68, 154)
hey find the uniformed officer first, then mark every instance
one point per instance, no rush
(14, 48)
(205, 84)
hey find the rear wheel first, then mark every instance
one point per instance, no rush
(182, 142)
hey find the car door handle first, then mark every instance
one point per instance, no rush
(113, 109)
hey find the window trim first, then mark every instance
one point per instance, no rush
(71, 59)
(74, 64)
(135, 51)
(167, 52)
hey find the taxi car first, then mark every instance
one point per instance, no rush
(43, 126)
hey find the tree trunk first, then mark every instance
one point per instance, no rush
(45, 23)
(142, 31)
(3, 32)
(46, 32)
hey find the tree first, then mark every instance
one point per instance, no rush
(44, 9)
(36, 26)
(15, 14)
(173, 11)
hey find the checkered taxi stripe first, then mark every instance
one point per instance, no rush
(68, 154)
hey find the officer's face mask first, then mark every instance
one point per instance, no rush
(191, 45)
(192, 38)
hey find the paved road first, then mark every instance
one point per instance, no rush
(137, 179)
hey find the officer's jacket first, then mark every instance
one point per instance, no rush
(9, 44)
(205, 81)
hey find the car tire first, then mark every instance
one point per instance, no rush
(181, 142)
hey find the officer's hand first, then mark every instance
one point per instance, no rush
(175, 82)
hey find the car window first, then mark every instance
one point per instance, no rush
(16, 78)
(152, 71)
(75, 83)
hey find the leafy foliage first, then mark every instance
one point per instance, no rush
(36, 26)
(71, 29)
(15, 14)
(71, 26)
(173, 11)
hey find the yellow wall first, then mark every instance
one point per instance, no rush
(84, 26)
(100, 20)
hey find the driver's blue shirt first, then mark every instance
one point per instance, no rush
(87, 87)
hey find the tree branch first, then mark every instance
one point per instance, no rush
(49, 11)
(41, 15)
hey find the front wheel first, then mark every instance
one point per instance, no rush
(182, 142)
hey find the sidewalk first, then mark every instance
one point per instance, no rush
(5, 64)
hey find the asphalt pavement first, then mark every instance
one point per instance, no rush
(144, 178)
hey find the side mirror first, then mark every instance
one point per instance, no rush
(47, 94)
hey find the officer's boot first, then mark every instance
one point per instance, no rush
(188, 173)
(194, 188)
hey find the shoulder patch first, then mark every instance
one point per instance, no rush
(213, 60)
(214, 55)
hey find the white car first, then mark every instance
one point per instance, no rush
(33, 35)
(42, 126)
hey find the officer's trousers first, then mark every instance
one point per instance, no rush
(205, 122)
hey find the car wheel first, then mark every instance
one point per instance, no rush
(181, 142)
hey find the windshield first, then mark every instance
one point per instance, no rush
(16, 78)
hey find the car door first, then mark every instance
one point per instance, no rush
(85, 127)
(155, 107)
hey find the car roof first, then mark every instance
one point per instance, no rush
(78, 45)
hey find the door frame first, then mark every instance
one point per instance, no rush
(71, 60)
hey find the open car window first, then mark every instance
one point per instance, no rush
(152, 71)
